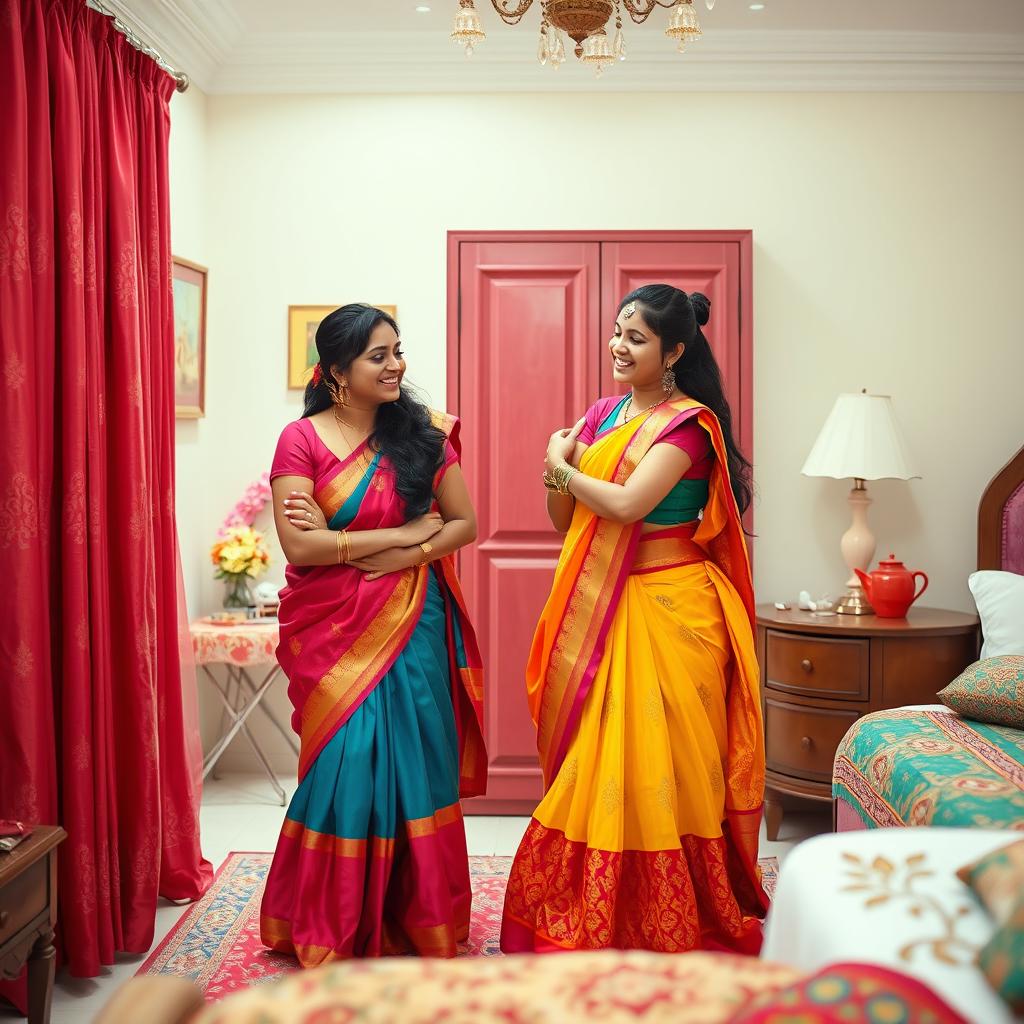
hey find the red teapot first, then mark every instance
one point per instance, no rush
(890, 588)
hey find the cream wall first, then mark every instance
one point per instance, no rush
(189, 175)
(887, 231)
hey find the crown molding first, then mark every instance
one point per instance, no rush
(194, 36)
(726, 61)
(208, 42)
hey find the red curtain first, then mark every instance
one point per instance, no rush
(92, 733)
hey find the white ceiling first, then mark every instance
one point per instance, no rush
(310, 46)
(833, 15)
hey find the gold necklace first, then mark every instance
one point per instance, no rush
(341, 429)
(629, 405)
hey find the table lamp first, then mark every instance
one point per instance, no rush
(860, 439)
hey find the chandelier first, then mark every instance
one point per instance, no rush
(583, 21)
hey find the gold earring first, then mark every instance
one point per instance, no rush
(337, 390)
(668, 380)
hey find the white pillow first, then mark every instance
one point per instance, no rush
(1000, 600)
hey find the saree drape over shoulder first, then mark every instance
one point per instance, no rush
(643, 684)
(385, 679)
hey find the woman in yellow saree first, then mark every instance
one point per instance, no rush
(642, 679)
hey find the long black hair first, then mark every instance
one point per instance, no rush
(678, 318)
(402, 432)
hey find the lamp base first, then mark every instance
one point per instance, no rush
(854, 602)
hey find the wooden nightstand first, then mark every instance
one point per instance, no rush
(28, 912)
(819, 675)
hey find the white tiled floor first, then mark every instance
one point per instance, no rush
(239, 812)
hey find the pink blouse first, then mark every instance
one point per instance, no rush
(302, 452)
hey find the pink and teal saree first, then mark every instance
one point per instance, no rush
(385, 679)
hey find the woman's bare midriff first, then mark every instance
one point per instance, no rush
(655, 527)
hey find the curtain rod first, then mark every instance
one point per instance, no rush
(180, 78)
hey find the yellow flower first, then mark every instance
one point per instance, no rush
(240, 551)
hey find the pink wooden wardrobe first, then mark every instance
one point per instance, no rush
(529, 317)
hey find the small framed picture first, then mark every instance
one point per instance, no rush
(189, 284)
(302, 355)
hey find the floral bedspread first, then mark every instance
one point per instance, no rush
(607, 987)
(929, 766)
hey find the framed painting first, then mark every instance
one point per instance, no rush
(189, 284)
(302, 324)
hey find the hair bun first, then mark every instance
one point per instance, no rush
(701, 307)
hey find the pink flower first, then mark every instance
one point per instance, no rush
(249, 506)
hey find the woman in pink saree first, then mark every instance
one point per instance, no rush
(382, 664)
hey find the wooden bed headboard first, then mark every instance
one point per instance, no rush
(1001, 519)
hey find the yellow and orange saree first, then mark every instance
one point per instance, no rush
(643, 684)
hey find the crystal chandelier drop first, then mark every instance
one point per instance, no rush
(550, 48)
(596, 51)
(683, 24)
(467, 29)
(583, 21)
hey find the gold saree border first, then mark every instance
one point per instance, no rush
(333, 495)
(665, 553)
(603, 560)
(358, 668)
(339, 846)
(379, 846)
(469, 702)
(339, 691)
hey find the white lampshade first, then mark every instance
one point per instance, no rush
(861, 439)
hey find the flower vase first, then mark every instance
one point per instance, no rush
(238, 593)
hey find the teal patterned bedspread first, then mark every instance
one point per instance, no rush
(915, 766)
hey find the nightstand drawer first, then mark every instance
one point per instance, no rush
(23, 898)
(817, 666)
(802, 741)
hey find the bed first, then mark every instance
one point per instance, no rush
(928, 765)
(890, 897)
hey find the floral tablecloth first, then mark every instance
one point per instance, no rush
(244, 643)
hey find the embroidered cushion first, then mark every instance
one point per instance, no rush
(990, 690)
(1002, 960)
(997, 879)
(851, 993)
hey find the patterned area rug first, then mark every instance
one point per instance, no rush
(216, 944)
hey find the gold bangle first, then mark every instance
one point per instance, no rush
(426, 548)
(344, 547)
(549, 482)
(561, 475)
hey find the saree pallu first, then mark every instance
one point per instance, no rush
(385, 679)
(643, 684)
